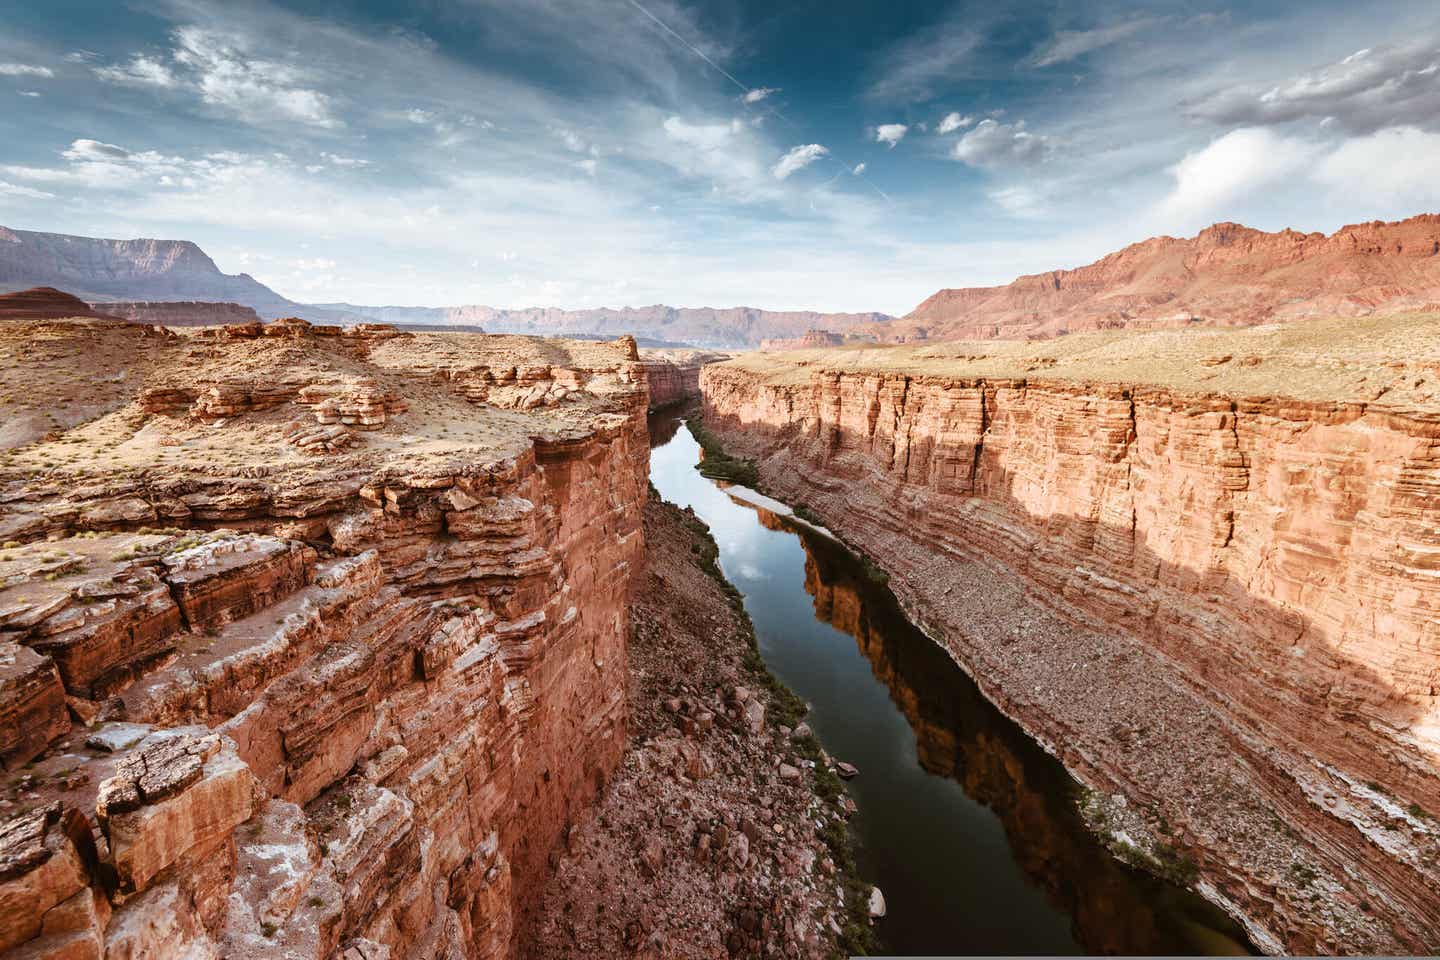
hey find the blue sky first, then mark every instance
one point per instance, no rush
(827, 155)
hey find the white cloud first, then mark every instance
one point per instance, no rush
(28, 93)
(1067, 45)
(1020, 201)
(1391, 168)
(859, 169)
(704, 136)
(573, 141)
(229, 76)
(952, 122)
(141, 71)
(995, 144)
(914, 69)
(338, 161)
(757, 94)
(1232, 167)
(798, 158)
(29, 193)
(418, 116)
(1368, 90)
(24, 70)
(83, 150)
(589, 165)
(890, 133)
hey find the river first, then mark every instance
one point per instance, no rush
(964, 822)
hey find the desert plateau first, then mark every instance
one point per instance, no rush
(415, 543)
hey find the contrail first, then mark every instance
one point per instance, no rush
(771, 110)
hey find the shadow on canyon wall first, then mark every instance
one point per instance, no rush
(1239, 650)
(1114, 909)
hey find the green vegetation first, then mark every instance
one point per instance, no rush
(809, 516)
(719, 465)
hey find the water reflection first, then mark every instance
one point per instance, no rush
(964, 822)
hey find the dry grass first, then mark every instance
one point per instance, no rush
(1391, 360)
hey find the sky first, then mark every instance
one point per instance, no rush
(812, 154)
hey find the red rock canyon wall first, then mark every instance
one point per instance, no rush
(1227, 611)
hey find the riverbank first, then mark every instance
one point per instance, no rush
(1135, 576)
(704, 842)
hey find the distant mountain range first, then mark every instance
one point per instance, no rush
(106, 271)
(1227, 275)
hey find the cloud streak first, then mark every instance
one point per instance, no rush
(797, 159)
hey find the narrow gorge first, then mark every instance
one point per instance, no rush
(1201, 568)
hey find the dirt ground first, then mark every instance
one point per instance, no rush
(718, 835)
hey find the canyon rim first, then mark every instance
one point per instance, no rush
(706, 480)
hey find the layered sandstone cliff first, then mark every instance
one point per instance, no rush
(270, 696)
(674, 375)
(1227, 275)
(180, 313)
(1204, 569)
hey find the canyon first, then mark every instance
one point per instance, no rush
(1227, 275)
(1199, 566)
(305, 653)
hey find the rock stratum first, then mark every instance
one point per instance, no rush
(129, 270)
(1203, 568)
(46, 303)
(312, 642)
(180, 313)
(674, 375)
(1227, 275)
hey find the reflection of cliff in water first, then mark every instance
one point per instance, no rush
(1114, 909)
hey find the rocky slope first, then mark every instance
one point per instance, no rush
(1227, 275)
(180, 313)
(717, 328)
(707, 841)
(1201, 567)
(312, 642)
(127, 270)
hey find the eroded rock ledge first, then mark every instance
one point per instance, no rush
(266, 700)
(1217, 604)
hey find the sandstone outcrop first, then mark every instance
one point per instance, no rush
(674, 375)
(180, 313)
(1227, 275)
(809, 340)
(338, 707)
(1210, 588)
(46, 303)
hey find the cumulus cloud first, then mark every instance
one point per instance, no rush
(141, 71)
(29, 193)
(24, 70)
(1067, 45)
(914, 69)
(890, 133)
(1369, 90)
(798, 158)
(995, 144)
(859, 169)
(1233, 166)
(572, 140)
(953, 121)
(339, 161)
(757, 94)
(28, 93)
